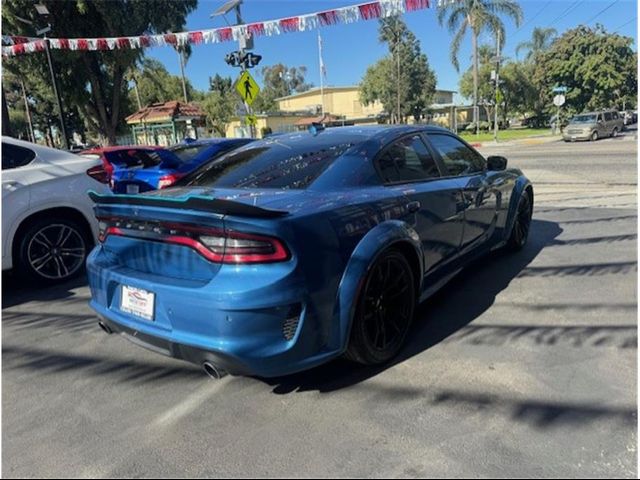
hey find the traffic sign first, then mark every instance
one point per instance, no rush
(559, 100)
(247, 87)
(251, 120)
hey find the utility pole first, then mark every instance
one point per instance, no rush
(495, 117)
(63, 129)
(32, 137)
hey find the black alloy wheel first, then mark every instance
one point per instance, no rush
(384, 312)
(522, 223)
(53, 250)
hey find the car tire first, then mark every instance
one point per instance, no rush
(594, 137)
(614, 132)
(53, 250)
(521, 224)
(384, 312)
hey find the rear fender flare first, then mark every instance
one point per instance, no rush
(518, 190)
(376, 241)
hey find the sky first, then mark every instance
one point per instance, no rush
(349, 49)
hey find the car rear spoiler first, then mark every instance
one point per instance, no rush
(203, 204)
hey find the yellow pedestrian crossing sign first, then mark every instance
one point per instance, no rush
(252, 120)
(247, 87)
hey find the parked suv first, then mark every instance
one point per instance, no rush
(594, 125)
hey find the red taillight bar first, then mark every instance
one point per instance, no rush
(232, 255)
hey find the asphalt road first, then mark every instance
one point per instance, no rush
(525, 365)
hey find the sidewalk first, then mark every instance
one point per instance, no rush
(534, 140)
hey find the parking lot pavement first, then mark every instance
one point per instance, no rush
(525, 365)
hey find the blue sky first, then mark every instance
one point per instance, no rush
(349, 49)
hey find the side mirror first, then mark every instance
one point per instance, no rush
(496, 163)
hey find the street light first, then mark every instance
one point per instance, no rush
(44, 12)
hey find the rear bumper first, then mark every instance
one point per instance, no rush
(240, 321)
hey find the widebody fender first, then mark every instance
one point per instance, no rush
(377, 240)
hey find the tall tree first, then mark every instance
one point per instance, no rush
(155, 84)
(94, 81)
(220, 103)
(541, 40)
(278, 81)
(476, 16)
(402, 81)
(598, 68)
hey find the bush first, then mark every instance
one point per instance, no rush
(485, 126)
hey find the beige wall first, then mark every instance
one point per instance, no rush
(276, 123)
(337, 101)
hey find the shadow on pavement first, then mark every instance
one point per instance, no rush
(463, 300)
(16, 290)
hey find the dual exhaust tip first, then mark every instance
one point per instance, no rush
(212, 370)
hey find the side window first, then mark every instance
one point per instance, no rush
(615, 115)
(457, 157)
(14, 156)
(608, 116)
(407, 160)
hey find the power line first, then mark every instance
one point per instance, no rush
(625, 24)
(601, 12)
(567, 11)
(532, 18)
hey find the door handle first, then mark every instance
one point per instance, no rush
(413, 206)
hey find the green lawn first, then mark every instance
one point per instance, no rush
(511, 134)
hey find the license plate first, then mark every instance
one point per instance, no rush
(573, 137)
(133, 189)
(138, 302)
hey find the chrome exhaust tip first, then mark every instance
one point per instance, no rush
(105, 328)
(213, 371)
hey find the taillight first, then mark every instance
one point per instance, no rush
(168, 180)
(219, 246)
(98, 173)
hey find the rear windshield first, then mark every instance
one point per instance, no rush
(584, 119)
(186, 153)
(269, 165)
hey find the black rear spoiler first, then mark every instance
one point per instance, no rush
(203, 204)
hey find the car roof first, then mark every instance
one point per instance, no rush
(356, 133)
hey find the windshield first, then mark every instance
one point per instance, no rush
(269, 165)
(135, 158)
(584, 119)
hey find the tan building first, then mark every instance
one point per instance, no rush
(342, 106)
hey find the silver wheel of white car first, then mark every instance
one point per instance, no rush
(53, 251)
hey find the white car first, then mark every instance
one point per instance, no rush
(48, 224)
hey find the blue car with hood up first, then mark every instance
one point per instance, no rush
(294, 250)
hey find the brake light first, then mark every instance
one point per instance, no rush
(98, 173)
(219, 246)
(168, 180)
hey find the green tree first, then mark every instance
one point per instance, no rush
(598, 68)
(541, 40)
(402, 81)
(220, 103)
(476, 16)
(279, 81)
(155, 84)
(94, 81)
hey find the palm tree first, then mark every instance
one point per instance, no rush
(184, 52)
(541, 39)
(477, 16)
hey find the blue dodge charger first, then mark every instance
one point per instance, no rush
(297, 249)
